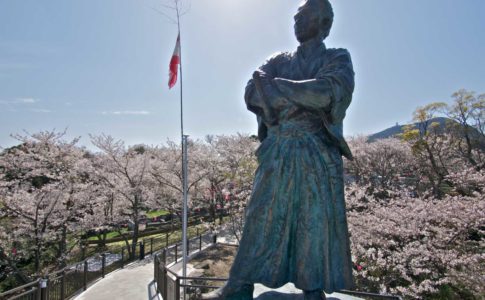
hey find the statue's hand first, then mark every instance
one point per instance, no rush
(261, 74)
(265, 81)
(271, 94)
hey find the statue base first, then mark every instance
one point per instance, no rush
(290, 292)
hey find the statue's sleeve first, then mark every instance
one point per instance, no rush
(340, 75)
(330, 91)
(254, 101)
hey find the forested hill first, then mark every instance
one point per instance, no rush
(397, 129)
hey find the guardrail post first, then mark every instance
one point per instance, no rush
(176, 250)
(214, 238)
(83, 250)
(85, 279)
(151, 246)
(155, 272)
(142, 249)
(164, 279)
(43, 284)
(122, 257)
(63, 285)
(177, 288)
(166, 240)
(103, 264)
(200, 242)
(38, 296)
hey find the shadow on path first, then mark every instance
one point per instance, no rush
(152, 291)
(139, 263)
(284, 296)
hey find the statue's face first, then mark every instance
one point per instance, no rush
(307, 21)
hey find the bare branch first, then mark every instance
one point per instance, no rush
(172, 20)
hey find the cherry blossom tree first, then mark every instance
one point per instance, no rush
(430, 146)
(167, 177)
(383, 165)
(44, 196)
(234, 170)
(418, 247)
(468, 113)
(124, 174)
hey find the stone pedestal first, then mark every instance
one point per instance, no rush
(290, 292)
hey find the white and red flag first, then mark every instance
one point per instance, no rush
(174, 64)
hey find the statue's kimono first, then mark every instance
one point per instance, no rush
(296, 228)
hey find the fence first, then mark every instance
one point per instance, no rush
(72, 280)
(170, 285)
(168, 282)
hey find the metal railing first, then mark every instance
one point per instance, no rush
(169, 282)
(31, 291)
(74, 279)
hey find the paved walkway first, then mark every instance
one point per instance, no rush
(134, 282)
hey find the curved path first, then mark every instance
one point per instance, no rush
(134, 282)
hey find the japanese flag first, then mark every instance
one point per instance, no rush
(174, 64)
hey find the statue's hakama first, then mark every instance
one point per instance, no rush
(296, 228)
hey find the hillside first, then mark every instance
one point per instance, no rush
(398, 129)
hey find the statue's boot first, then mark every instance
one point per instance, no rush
(231, 291)
(314, 295)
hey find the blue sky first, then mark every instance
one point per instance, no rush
(102, 66)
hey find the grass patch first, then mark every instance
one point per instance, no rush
(156, 213)
(159, 239)
(109, 235)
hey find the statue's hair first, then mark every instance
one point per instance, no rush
(327, 16)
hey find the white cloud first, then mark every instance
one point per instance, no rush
(26, 100)
(20, 101)
(41, 110)
(126, 112)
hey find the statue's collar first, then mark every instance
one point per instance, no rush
(310, 48)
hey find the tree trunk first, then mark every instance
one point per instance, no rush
(134, 239)
(125, 238)
(62, 247)
(19, 275)
(439, 174)
(136, 223)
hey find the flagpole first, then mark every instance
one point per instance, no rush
(184, 160)
(181, 76)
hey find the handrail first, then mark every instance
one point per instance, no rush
(200, 286)
(370, 295)
(204, 278)
(23, 294)
(172, 272)
(19, 288)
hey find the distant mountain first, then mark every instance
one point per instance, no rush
(398, 129)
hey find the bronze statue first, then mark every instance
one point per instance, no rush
(296, 228)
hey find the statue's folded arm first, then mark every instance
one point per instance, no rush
(330, 91)
(313, 94)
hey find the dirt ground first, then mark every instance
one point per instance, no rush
(214, 262)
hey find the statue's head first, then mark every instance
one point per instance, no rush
(314, 18)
